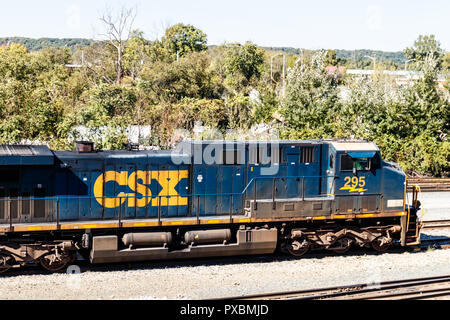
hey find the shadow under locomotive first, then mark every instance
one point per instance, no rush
(430, 242)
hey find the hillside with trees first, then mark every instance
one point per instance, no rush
(349, 58)
(177, 81)
(43, 43)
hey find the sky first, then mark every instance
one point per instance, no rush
(354, 24)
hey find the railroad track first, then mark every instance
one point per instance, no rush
(431, 184)
(436, 224)
(420, 288)
(436, 243)
(426, 244)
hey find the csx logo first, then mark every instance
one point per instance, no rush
(139, 182)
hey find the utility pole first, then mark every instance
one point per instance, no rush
(271, 61)
(283, 89)
(374, 58)
(408, 60)
(284, 72)
(300, 58)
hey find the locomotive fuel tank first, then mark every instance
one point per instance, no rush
(207, 236)
(147, 238)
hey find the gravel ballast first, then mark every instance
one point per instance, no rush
(229, 277)
(435, 205)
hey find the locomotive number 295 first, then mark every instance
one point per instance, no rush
(354, 184)
(355, 181)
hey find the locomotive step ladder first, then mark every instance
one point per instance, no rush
(414, 225)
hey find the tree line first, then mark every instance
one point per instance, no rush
(42, 43)
(177, 81)
(347, 58)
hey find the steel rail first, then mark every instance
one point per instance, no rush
(377, 290)
(341, 291)
(431, 184)
(436, 224)
(415, 294)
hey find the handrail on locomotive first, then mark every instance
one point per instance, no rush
(56, 199)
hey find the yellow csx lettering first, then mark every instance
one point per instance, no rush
(138, 181)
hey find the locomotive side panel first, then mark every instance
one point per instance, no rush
(25, 193)
(218, 179)
(394, 188)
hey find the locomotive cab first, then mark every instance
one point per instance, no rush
(366, 186)
(358, 177)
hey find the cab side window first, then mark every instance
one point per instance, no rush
(361, 164)
(346, 163)
(375, 162)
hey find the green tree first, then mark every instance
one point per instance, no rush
(424, 46)
(331, 58)
(238, 112)
(410, 124)
(135, 54)
(243, 65)
(182, 39)
(209, 112)
(109, 101)
(311, 102)
(100, 63)
(265, 106)
(33, 93)
(446, 64)
(190, 77)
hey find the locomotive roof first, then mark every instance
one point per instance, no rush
(354, 146)
(25, 155)
(40, 154)
(309, 141)
(103, 154)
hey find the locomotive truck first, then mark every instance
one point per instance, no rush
(202, 199)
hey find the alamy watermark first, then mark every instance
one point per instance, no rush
(74, 17)
(73, 280)
(233, 147)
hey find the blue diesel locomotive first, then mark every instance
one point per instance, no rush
(205, 198)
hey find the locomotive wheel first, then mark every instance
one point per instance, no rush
(6, 262)
(380, 245)
(54, 263)
(342, 245)
(297, 248)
